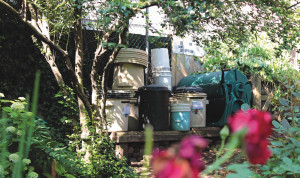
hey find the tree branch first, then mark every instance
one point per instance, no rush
(32, 29)
(145, 5)
(294, 5)
(77, 87)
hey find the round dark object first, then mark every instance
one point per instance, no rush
(153, 105)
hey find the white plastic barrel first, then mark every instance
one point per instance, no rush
(161, 69)
(163, 78)
(160, 58)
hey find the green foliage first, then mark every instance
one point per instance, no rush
(258, 56)
(285, 149)
(286, 146)
(16, 123)
(19, 61)
(69, 103)
(103, 159)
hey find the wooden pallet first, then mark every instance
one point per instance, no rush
(122, 139)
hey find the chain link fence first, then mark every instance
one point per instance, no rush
(145, 33)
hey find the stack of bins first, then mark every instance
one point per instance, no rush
(122, 110)
(160, 65)
(196, 98)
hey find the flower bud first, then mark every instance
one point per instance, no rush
(224, 133)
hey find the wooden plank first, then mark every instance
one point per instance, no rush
(139, 136)
(182, 66)
(207, 131)
(256, 89)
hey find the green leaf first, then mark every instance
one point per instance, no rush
(242, 170)
(276, 143)
(287, 161)
(69, 176)
(295, 142)
(232, 175)
(276, 124)
(297, 94)
(276, 151)
(6, 101)
(284, 108)
(285, 124)
(279, 170)
(284, 102)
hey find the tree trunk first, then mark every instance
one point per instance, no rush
(95, 89)
(78, 38)
(122, 37)
(53, 46)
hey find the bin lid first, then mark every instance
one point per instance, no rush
(118, 94)
(191, 89)
(154, 87)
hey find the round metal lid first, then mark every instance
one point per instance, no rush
(156, 87)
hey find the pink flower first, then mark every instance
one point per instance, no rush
(185, 162)
(190, 149)
(259, 129)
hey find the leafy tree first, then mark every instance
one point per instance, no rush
(208, 20)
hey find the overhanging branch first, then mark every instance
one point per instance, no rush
(76, 85)
(32, 29)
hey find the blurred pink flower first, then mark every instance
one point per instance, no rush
(191, 149)
(259, 129)
(185, 162)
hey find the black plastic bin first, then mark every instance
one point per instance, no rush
(153, 105)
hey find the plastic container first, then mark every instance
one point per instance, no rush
(153, 106)
(121, 111)
(197, 100)
(161, 69)
(160, 58)
(128, 76)
(163, 78)
(180, 116)
(226, 90)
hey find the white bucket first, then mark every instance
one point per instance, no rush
(178, 107)
(161, 69)
(160, 58)
(163, 78)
